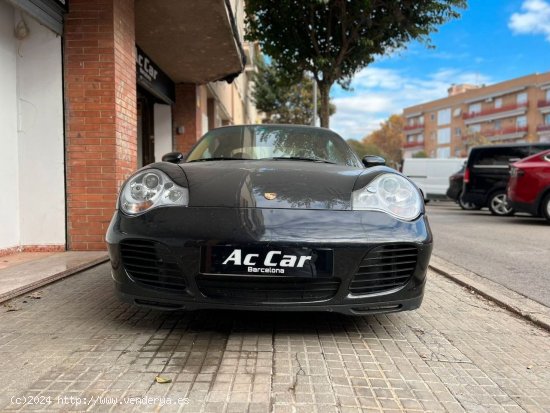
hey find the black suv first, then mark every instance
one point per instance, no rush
(487, 174)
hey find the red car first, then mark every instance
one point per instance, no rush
(529, 185)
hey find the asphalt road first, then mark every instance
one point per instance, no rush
(512, 251)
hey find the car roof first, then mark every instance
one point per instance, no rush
(512, 145)
(274, 125)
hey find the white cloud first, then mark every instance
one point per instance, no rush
(378, 93)
(533, 19)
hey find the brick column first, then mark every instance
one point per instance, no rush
(186, 113)
(100, 114)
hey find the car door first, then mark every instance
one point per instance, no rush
(491, 167)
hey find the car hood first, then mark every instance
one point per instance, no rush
(270, 184)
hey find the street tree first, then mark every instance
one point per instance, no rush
(362, 148)
(283, 100)
(420, 154)
(389, 138)
(334, 39)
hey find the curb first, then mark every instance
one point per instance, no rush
(51, 279)
(512, 301)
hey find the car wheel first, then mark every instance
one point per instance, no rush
(498, 204)
(545, 208)
(468, 206)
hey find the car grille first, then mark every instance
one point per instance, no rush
(385, 268)
(245, 289)
(152, 264)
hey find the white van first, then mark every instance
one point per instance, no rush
(432, 174)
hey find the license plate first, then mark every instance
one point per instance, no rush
(261, 261)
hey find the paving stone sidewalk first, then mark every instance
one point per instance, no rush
(457, 353)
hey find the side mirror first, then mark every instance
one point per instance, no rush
(173, 157)
(372, 160)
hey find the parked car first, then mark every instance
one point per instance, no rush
(270, 217)
(454, 191)
(431, 175)
(529, 186)
(487, 174)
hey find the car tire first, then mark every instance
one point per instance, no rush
(498, 204)
(467, 206)
(545, 208)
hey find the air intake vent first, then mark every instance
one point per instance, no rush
(266, 289)
(151, 263)
(385, 268)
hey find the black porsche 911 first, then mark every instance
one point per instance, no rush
(270, 217)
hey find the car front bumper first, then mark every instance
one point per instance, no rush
(178, 236)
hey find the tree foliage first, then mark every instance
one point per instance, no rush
(389, 138)
(333, 39)
(420, 154)
(362, 148)
(281, 99)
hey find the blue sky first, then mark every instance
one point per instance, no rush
(493, 41)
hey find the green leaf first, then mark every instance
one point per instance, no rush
(162, 380)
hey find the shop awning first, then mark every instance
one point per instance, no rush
(192, 41)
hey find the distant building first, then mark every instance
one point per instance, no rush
(517, 110)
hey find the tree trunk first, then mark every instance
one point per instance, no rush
(324, 92)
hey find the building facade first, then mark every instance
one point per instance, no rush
(517, 110)
(92, 90)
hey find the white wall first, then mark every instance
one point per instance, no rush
(41, 148)
(32, 204)
(163, 130)
(9, 200)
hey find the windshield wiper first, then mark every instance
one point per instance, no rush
(298, 158)
(219, 159)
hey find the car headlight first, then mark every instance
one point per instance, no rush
(150, 189)
(390, 193)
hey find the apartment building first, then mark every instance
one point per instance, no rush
(516, 110)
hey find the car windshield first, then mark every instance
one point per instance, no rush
(274, 142)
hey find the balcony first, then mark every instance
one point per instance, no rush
(513, 132)
(544, 105)
(192, 41)
(414, 128)
(495, 113)
(414, 144)
(504, 131)
(543, 128)
(492, 111)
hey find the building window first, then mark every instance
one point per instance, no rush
(444, 117)
(420, 138)
(458, 132)
(522, 98)
(498, 124)
(410, 138)
(548, 95)
(443, 136)
(432, 116)
(475, 128)
(547, 119)
(498, 103)
(444, 153)
(474, 108)
(521, 121)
